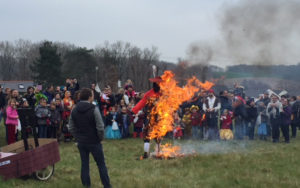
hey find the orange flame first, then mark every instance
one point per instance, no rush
(169, 151)
(172, 96)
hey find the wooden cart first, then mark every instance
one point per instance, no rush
(30, 156)
(37, 161)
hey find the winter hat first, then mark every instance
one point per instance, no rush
(211, 91)
(194, 107)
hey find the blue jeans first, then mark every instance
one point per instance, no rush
(239, 128)
(97, 152)
(124, 130)
(42, 131)
(195, 132)
(251, 129)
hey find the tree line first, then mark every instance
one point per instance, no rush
(50, 63)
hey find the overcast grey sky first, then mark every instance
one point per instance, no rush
(170, 25)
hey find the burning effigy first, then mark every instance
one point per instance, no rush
(160, 116)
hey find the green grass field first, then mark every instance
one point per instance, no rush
(219, 164)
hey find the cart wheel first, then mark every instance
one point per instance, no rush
(45, 173)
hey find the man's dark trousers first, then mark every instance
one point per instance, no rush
(97, 152)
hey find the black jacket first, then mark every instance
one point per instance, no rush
(240, 111)
(86, 123)
(251, 113)
(2, 100)
(296, 111)
(225, 104)
(31, 99)
(120, 119)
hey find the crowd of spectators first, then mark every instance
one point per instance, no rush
(207, 116)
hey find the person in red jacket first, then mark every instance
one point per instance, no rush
(195, 121)
(138, 123)
(148, 102)
(226, 123)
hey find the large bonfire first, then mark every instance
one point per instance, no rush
(172, 96)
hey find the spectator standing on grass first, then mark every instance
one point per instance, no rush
(14, 94)
(11, 121)
(138, 123)
(112, 129)
(226, 121)
(195, 122)
(87, 127)
(42, 114)
(211, 108)
(55, 119)
(68, 106)
(251, 118)
(274, 109)
(239, 115)
(286, 120)
(123, 120)
(295, 117)
(262, 121)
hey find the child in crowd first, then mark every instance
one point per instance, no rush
(226, 123)
(68, 106)
(186, 121)
(263, 120)
(112, 129)
(177, 133)
(138, 123)
(43, 114)
(130, 92)
(11, 121)
(123, 120)
(195, 121)
(59, 106)
(55, 119)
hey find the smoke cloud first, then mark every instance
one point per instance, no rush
(262, 31)
(191, 147)
(200, 53)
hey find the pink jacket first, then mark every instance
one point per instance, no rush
(11, 116)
